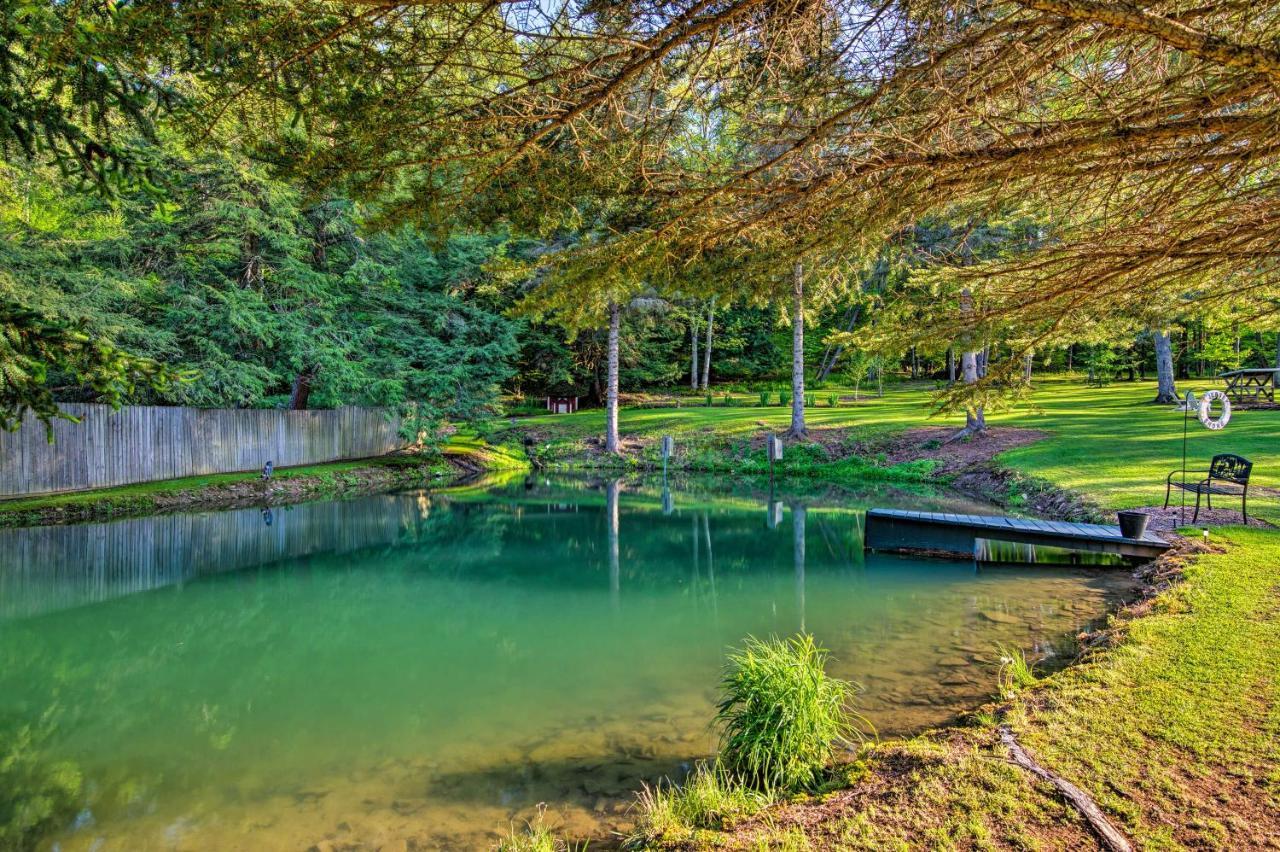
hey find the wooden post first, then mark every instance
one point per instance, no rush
(773, 448)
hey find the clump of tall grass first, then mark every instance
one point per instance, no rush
(764, 397)
(1015, 672)
(782, 716)
(784, 398)
(534, 837)
(710, 798)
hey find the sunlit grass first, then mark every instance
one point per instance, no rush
(710, 798)
(1015, 672)
(535, 836)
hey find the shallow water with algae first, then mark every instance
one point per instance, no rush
(420, 671)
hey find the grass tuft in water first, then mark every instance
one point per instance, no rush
(782, 716)
(710, 798)
(536, 837)
(1015, 673)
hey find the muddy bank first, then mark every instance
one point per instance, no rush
(971, 467)
(375, 476)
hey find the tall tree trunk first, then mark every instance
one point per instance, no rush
(951, 365)
(1278, 350)
(1071, 349)
(693, 366)
(797, 352)
(974, 417)
(1166, 390)
(915, 364)
(611, 393)
(301, 391)
(706, 352)
(1028, 361)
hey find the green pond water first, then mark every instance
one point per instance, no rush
(415, 671)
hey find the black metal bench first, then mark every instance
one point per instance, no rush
(1228, 476)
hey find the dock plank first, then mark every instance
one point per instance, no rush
(951, 531)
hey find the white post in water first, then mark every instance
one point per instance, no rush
(773, 445)
(668, 447)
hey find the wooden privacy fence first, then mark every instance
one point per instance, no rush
(143, 443)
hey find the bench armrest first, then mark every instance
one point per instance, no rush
(1188, 470)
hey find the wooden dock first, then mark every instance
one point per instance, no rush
(897, 529)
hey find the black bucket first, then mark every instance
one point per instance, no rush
(1133, 524)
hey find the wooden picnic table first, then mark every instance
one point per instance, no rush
(1254, 384)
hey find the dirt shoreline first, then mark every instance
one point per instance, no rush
(388, 473)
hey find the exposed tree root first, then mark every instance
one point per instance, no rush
(1110, 836)
(965, 433)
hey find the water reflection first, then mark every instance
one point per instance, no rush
(433, 666)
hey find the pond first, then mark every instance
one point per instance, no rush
(429, 667)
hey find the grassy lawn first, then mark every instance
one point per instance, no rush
(1174, 731)
(1109, 443)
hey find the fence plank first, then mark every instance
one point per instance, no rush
(148, 443)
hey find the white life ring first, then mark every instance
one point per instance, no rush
(1206, 410)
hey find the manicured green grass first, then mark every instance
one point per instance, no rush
(1113, 444)
(494, 456)
(1190, 700)
(1110, 443)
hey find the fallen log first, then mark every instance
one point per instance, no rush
(1111, 837)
